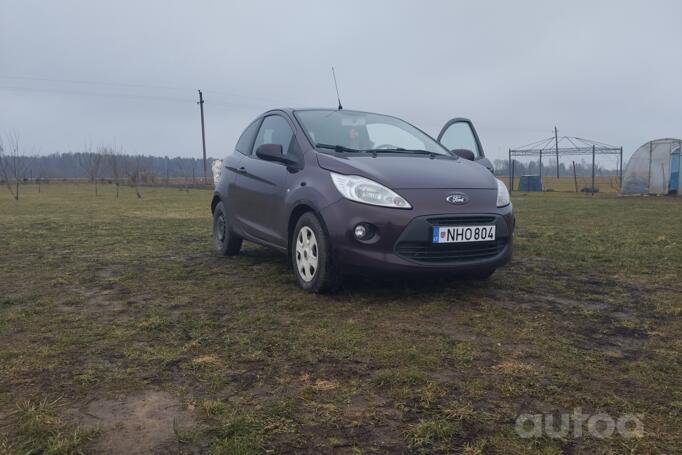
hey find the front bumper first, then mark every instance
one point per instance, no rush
(403, 240)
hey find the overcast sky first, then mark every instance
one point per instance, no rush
(73, 72)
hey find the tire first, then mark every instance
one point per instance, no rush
(227, 243)
(311, 256)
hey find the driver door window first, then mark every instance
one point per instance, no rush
(459, 136)
(274, 130)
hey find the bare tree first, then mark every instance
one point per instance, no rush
(115, 159)
(139, 173)
(12, 164)
(133, 168)
(186, 167)
(91, 162)
(38, 165)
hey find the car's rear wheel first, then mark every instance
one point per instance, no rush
(311, 256)
(227, 243)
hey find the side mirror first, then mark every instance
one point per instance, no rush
(464, 153)
(273, 152)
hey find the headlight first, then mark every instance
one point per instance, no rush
(502, 194)
(364, 190)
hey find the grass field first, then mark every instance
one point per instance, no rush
(121, 331)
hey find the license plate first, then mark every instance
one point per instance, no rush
(459, 234)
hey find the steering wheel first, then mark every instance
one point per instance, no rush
(387, 146)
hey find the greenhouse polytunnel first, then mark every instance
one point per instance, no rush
(654, 168)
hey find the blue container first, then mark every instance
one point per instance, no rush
(530, 183)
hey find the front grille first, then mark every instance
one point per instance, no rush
(460, 220)
(450, 252)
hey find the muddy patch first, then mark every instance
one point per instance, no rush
(97, 301)
(139, 423)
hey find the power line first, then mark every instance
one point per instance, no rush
(86, 82)
(209, 103)
(93, 93)
(114, 94)
(133, 85)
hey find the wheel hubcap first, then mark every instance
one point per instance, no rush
(220, 228)
(306, 253)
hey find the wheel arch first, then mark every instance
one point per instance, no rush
(214, 202)
(296, 213)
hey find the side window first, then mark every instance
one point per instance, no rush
(246, 140)
(459, 136)
(274, 130)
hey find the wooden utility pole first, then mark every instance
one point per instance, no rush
(556, 146)
(203, 133)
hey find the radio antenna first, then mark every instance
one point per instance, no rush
(336, 85)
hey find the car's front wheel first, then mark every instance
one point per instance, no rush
(311, 256)
(227, 243)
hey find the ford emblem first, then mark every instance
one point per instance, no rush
(457, 198)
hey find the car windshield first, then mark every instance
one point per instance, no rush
(350, 131)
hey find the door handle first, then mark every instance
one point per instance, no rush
(241, 170)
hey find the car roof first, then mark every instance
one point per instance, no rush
(291, 110)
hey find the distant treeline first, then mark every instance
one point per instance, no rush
(582, 168)
(80, 165)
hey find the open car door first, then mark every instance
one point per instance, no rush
(458, 135)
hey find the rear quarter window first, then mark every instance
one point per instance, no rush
(245, 142)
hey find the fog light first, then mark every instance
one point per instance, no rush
(361, 232)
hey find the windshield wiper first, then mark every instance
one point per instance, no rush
(339, 148)
(402, 150)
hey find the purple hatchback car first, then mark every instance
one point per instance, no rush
(346, 192)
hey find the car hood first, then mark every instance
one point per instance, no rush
(412, 171)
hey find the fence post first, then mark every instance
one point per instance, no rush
(651, 152)
(511, 173)
(593, 156)
(575, 178)
(556, 144)
(620, 169)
